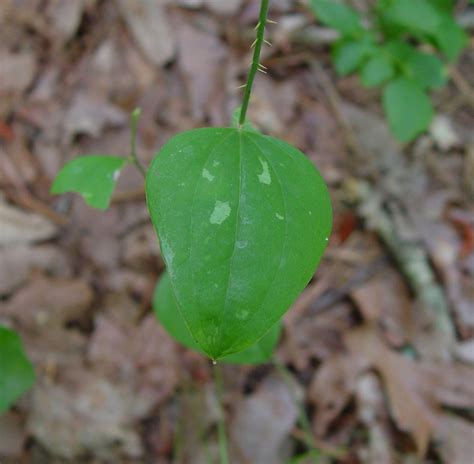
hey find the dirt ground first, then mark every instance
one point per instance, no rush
(380, 346)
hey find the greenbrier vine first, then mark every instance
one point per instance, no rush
(242, 219)
(256, 65)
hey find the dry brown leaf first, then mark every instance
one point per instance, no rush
(201, 58)
(12, 435)
(228, 7)
(65, 17)
(143, 357)
(262, 422)
(415, 390)
(455, 439)
(410, 409)
(48, 303)
(385, 298)
(316, 336)
(18, 227)
(89, 115)
(140, 250)
(332, 387)
(151, 29)
(85, 414)
(17, 71)
(17, 262)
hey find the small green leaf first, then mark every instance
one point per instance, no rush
(16, 371)
(167, 312)
(243, 220)
(93, 177)
(450, 38)
(426, 69)
(377, 70)
(418, 15)
(398, 50)
(348, 55)
(408, 108)
(338, 16)
(247, 124)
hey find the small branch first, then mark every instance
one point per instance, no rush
(462, 84)
(262, 22)
(133, 142)
(223, 452)
(393, 227)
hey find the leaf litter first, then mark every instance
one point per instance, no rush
(111, 385)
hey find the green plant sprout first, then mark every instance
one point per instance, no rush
(399, 46)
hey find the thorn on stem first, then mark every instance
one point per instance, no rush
(269, 21)
(254, 43)
(268, 43)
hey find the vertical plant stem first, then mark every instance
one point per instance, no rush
(133, 141)
(262, 22)
(302, 416)
(223, 451)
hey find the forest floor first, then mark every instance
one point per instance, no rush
(380, 345)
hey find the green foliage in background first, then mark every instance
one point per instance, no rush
(403, 46)
(16, 371)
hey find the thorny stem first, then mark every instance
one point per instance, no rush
(303, 417)
(262, 22)
(133, 141)
(223, 452)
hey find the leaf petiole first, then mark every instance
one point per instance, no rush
(133, 141)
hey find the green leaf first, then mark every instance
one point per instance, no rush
(16, 371)
(349, 55)
(432, 18)
(426, 69)
(247, 124)
(377, 70)
(418, 15)
(338, 16)
(243, 220)
(408, 108)
(167, 312)
(450, 38)
(93, 177)
(398, 50)
(445, 6)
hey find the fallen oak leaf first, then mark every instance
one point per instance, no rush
(411, 411)
(416, 390)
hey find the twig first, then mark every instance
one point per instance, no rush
(223, 451)
(410, 257)
(462, 84)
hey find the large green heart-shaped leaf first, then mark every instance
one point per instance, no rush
(243, 220)
(167, 312)
(16, 371)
